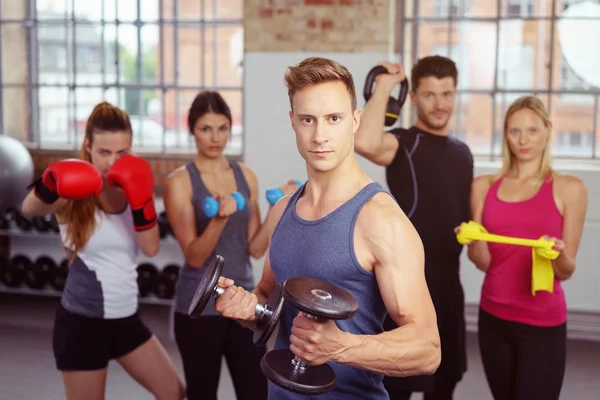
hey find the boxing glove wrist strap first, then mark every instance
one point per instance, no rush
(44, 193)
(145, 217)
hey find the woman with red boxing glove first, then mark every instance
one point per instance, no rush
(104, 204)
(228, 229)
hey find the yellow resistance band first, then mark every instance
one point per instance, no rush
(542, 274)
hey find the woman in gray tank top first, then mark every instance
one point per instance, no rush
(235, 235)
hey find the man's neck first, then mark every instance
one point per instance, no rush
(341, 183)
(437, 132)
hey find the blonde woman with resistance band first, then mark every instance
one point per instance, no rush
(522, 335)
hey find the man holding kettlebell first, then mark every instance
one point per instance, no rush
(430, 175)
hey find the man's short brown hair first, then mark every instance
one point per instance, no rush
(437, 66)
(316, 70)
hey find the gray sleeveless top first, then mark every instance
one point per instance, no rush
(232, 244)
(324, 249)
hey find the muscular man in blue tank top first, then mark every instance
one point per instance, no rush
(343, 228)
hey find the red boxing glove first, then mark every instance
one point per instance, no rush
(71, 179)
(134, 175)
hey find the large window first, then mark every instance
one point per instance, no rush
(523, 47)
(151, 57)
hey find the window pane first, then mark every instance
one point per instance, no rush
(55, 127)
(472, 47)
(523, 54)
(15, 115)
(473, 121)
(563, 5)
(597, 128)
(195, 56)
(230, 55)
(525, 8)
(573, 125)
(443, 8)
(577, 54)
(196, 10)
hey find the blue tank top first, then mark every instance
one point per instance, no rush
(324, 249)
(232, 244)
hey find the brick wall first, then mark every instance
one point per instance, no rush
(319, 25)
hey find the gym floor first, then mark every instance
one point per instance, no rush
(27, 364)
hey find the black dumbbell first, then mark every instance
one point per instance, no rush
(3, 264)
(46, 223)
(15, 271)
(267, 314)
(321, 301)
(21, 221)
(166, 281)
(59, 275)
(39, 272)
(4, 221)
(146, 278)
(163, 225)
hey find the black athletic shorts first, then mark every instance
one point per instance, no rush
(84, 344)
(449, 302)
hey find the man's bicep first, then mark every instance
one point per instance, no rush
(400, 275)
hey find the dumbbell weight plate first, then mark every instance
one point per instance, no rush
(266, 325)
(40, 272)
(59, 276)
(146, 278)
(319, 298)
(15, 272)
(166, 281)
(277, 366)
(206, 288)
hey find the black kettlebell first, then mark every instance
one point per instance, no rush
(392, 113)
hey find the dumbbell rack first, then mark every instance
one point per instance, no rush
(46, 291)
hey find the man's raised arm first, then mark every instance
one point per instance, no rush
(370, 140)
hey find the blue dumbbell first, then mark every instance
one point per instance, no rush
(273, 195)
(210, 205)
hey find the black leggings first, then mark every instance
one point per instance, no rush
(202, 342)
(522, 362)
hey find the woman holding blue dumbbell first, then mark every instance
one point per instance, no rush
(212, 207)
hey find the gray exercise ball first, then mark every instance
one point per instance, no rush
(16, 171)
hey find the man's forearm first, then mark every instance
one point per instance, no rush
(261, 299)
(404, 351)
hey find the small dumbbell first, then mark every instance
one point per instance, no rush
(273, 195)
(210, 205)
(267, 314)
(320, 301)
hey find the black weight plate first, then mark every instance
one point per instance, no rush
(146, 279)
(15, 273)
(40, 272)
(320, 298)
(207, 286)
(166, 281)
(266, 325)
(277, 366)
(59, 277)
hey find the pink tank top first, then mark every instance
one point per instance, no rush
(506, 291)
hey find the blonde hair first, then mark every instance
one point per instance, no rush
(315, 70)
(81, 214)
(534, 104)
